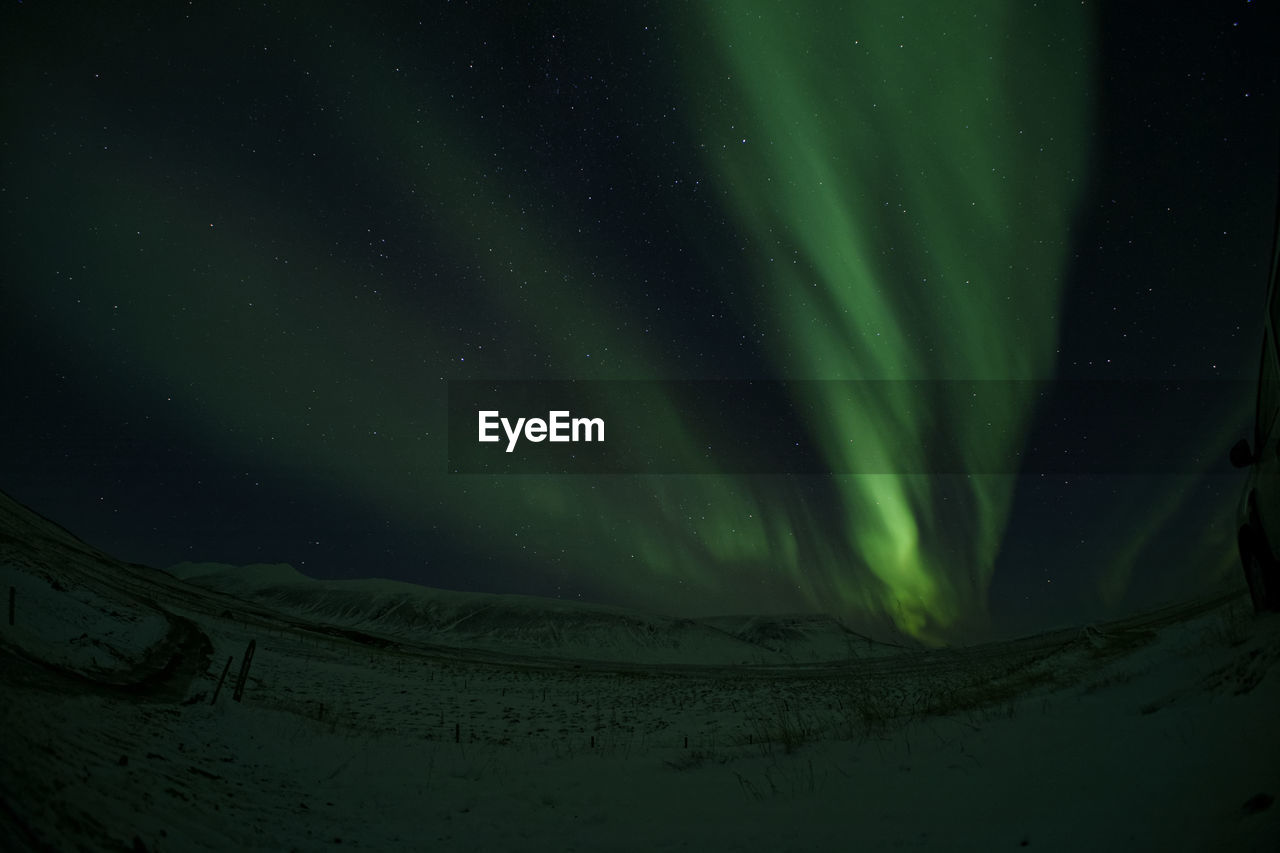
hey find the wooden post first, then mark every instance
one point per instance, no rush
(457, 732)
(218, 689)
(13, 594)
(244, 671)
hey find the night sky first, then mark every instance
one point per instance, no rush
(245, 250)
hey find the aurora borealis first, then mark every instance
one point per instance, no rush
(911, 184)
(245, 253)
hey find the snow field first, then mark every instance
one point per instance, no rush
(1157, 736)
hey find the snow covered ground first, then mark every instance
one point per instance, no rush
(1156, 733)
(541, 627)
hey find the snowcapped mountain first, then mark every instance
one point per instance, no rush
(533, 626)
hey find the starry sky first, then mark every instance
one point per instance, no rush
(246, 250)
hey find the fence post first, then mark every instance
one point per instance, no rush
(218, 689)
(244, 671)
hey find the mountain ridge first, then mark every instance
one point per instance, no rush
(526, 624)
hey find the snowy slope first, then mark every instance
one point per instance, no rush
(528, 625)
(805, 638)
(76, 627)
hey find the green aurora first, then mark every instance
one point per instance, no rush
(909, 177)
